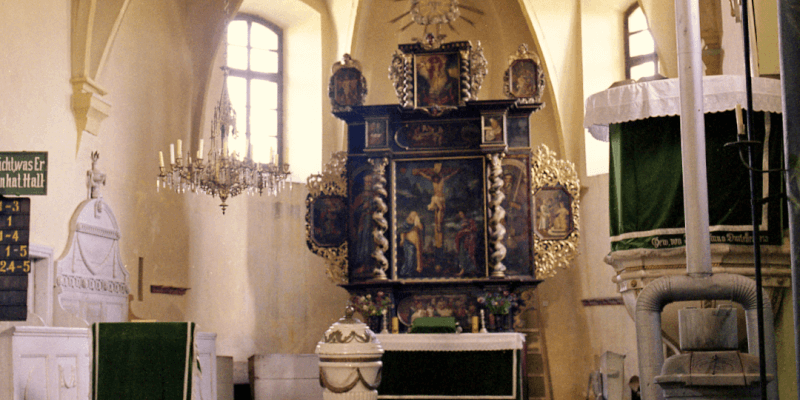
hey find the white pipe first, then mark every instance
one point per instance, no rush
(693, 145)
(669, 289)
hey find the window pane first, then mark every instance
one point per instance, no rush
(637, 21)
(263, 95)
(263, 123)
(237, 57)
(262, 37)
(641, 43)
(237, 91)
(642, 70)
(264, 61)
(237, 33)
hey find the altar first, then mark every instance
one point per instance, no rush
(452, 366)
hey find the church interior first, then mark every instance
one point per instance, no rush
(103, 89)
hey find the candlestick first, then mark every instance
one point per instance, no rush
(739, 123)
(383, 322)
(483, 323)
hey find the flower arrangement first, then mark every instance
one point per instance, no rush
(498, 302)
(370, 306)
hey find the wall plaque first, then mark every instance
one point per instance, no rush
(23, 173)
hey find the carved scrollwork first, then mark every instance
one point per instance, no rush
(555, 188)
(478, 70)
(330, 186)
(332, 181)
(400, 73)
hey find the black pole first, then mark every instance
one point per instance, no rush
(789, 43)
(762, 363)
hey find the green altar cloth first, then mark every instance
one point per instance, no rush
(434, 325)
(646, 186)
(134, 361)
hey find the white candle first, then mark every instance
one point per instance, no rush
(739, 123)
(171, 153)
(180, 148)
(200, 150)
(161, 159)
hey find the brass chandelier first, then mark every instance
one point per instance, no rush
(222, 173)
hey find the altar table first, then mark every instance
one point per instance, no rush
(452, 366)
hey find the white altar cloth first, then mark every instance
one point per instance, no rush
(662, 98)
(452, 341)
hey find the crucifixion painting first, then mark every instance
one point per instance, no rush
(439, 214)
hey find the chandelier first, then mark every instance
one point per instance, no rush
(222, 173)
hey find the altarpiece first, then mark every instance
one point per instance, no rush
(442, 199)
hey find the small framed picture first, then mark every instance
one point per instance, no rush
(437, 79)
(328, 221)
(347, 87)
(553, 211)
(524, 78)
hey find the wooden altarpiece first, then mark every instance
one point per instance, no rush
(442, 198)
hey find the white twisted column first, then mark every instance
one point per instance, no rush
(380, 223)
(497, 232)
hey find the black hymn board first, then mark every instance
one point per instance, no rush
(15, 263)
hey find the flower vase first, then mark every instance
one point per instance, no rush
(374, 323)
(502, 322)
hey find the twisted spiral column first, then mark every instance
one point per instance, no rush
(466, 81)
(497, 214)
(408, 77)
(380, 225)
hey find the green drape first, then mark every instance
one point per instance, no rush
(140, 361)
(646, 189)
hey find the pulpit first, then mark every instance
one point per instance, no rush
(641, 123)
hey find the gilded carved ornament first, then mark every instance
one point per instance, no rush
(555, 188)
(330, 184)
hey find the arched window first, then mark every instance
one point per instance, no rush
(641, 59)
(255, 84)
